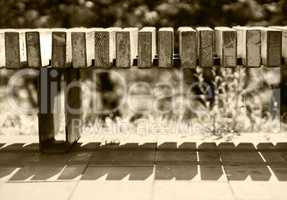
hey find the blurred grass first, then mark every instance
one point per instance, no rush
(236, 112)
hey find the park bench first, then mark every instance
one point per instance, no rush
(67, 51)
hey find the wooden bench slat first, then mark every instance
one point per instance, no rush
(165, 47)
(83, 48)
(249, 45)
(12, 50)
(33, 49)
(226, 41)
(146, 46)
(123, 49)
(102, 48)
(271, 41)
(79, 56)
(187, 47)
(205, 41)
(284, 42)
(59, 41)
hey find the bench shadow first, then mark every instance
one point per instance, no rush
(135, 161)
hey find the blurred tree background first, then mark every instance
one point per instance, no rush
(105, 13)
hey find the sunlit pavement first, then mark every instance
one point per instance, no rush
(148, 171)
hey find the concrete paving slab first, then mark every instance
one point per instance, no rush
(244, 172)
(116, 182)
(72, 172)
(273, 157)
(259, 190)
(36, 191)
(279, 171)
(123, 156)
(177, 172)
(80, 157)
(6, 172)
(38, 173)
(212, 172)
(10, 158)
(176, 156)
(187, 190)
(209, 157)
(284, 155)
(111, 190)
(229, 157)
(140, 173)
(45, 159)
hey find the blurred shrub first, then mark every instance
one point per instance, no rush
(104, 13)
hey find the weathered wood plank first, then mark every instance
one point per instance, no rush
(102, 48)
(33, 49)
(187, 47)
(12, 50)
(146, 46)
(205, 46)
(249, 46)
(165, 46)
(79, 56)
(59, 49)
(225, 46)
(123, 49)
(253, 45)
(284, 42)
(271, 47)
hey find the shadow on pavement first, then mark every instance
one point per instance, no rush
(133, 161)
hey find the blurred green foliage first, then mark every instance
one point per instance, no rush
(105, 13)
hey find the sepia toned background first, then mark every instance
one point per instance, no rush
(139, 13)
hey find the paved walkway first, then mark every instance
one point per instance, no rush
(146, 172)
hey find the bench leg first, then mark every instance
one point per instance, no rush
(49, 117)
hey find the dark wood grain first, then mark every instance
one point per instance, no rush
(79, 56)
(12, 50)
(59, 49)
(123, 54)
(187, 47)
(165, 47)
(146, 46)
(33, 49)
(205, 46)
(102, 50)
(226, 49)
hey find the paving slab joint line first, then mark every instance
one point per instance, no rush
(228, 183)
(77, 183)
